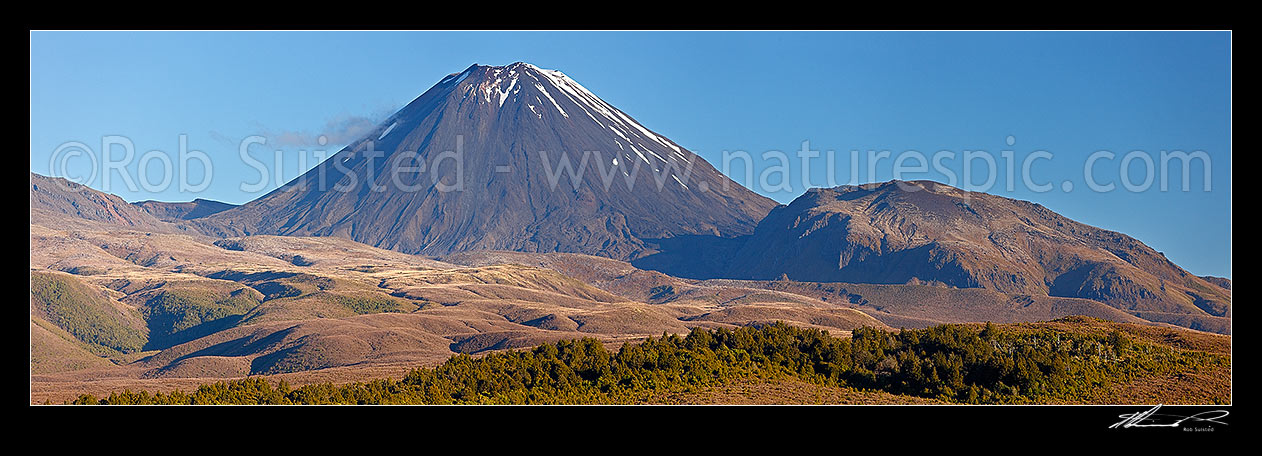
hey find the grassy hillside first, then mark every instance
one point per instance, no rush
(299, 296)
(85, 313)
(55, 350)
(1068, 361)
(180, 312)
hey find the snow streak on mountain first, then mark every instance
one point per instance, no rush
(511, 158)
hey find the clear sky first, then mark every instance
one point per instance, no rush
(1068, 93)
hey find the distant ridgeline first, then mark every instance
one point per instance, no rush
(1070, 360)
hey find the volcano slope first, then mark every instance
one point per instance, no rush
(505, 158)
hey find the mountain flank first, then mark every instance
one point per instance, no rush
(479, 162)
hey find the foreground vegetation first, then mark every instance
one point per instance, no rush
(955, 363)
(85, 314)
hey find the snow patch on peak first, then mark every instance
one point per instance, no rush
(388, 130)
(504, 95)
(554, 102)
(458, 77)
(586, 99)
(497, 84)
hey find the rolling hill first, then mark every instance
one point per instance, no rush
(926, 233)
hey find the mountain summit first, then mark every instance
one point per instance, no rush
(508, 158)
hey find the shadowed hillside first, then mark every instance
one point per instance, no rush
(171, 212)
(925, 233)
(896, 305)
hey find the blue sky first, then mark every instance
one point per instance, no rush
(1067, 93)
